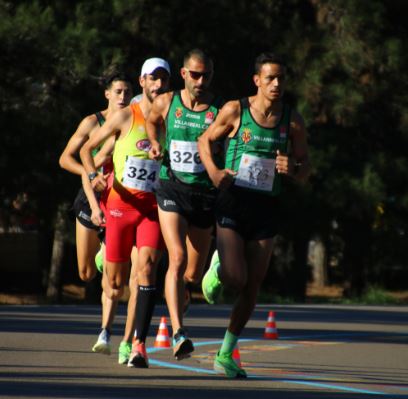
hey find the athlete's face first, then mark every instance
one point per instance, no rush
(197, 76)
(155, 83)
(271, 81)
(119, 94)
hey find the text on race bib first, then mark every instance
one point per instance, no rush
(140, 174)
(184, 157)
(256, 173)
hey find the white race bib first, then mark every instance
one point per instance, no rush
(256, 173)
(140, 174)
(184, 157)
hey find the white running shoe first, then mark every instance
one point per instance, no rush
(103, 344)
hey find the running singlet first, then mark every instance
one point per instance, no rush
(183, 127)
(101, 120)
(252, 152)
(135, 174)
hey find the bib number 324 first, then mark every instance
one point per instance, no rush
(140, 174)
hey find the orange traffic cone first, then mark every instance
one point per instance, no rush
(270, 330)
(162, 338)
(236, 356)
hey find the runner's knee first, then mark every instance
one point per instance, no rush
(177, 260)
(234, 281)
(114, 294)
(87, 272)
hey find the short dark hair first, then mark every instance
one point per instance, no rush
(199, 54)
(268, 58)
(115, 73)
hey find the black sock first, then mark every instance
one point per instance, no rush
(146, 299)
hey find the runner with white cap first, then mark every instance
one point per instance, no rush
(132, 218)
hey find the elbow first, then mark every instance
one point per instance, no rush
(62, 162)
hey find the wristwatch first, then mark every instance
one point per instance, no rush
(92, 175)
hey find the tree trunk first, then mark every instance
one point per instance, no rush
(54, 277)
(318, 262)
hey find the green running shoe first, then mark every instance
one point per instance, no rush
(99, 260)
(211, 284)
(224, 364)
(125, 348)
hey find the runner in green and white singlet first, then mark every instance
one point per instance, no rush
(183, 127)
(185, 195)
(258, 131)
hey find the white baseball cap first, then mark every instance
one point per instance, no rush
(151, 64)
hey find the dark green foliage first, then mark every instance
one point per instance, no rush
(348, 71)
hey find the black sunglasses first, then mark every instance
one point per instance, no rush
(197, 75)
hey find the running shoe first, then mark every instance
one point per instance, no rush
(103, 343)
(138, 357)
(211, 284)
(124, 352)
(182, 345)
(224, 364)
(99, 260)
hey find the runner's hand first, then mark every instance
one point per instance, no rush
(100, 182)
(222, 179)
(282, 163)
(97, 217)
(155, 152)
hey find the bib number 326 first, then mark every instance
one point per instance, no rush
(184, 157)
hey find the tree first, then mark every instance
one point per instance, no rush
(348, 76)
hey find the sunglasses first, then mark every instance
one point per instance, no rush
(197, 75)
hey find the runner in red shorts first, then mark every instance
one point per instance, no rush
(132, 217)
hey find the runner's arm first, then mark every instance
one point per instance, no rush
(297, 163)
(155, 123)
(68, 159)
(225, 124)
(105, 153)
(110, 128)
(97, 214)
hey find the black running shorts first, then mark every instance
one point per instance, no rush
(83, 211)
(196, 204)
(252, 215)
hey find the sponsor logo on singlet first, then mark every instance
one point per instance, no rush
(209, 117)
(246, 135)
(143, 145)
(179, 112)
(282, 132)
(193, 116)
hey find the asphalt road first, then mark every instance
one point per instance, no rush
(322, 352)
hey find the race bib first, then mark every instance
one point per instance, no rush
(140, 173)
(256, 173)
(184, 157)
